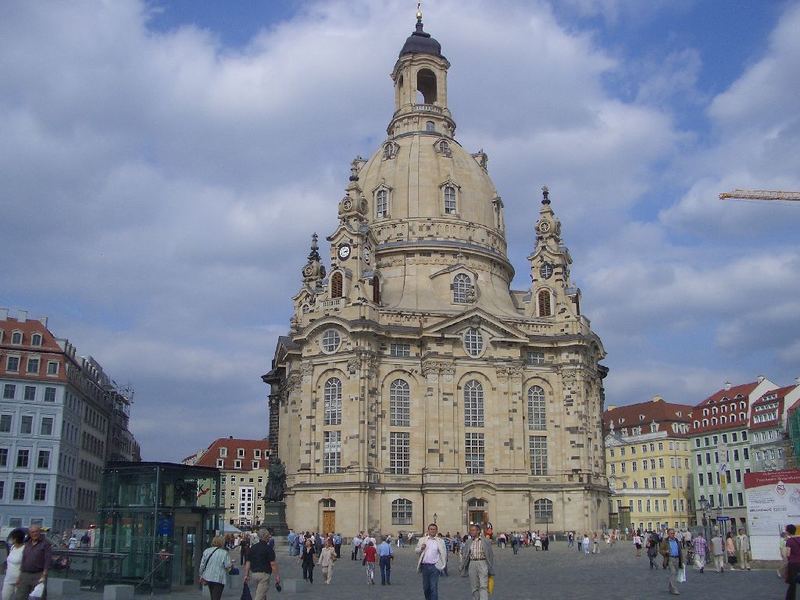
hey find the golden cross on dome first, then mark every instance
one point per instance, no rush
(419, 11)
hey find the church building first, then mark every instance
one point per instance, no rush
(415, 385)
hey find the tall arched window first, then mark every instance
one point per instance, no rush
(544, 304)
(399, 404)
(402, 511)
(333, 402)
(336, 285)
(449, 200)
(376, 289)
(543, 511)
(426, 85)
(430, 127)
(381, 203)
(462, 288)
(473, 404)
(536, 408)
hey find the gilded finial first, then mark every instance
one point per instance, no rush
(419, 12)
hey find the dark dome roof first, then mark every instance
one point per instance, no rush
(420, 42)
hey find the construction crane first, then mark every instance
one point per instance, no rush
(760, 195)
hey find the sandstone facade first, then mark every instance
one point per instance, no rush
(415, 385)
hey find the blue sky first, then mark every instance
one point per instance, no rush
(164, 164)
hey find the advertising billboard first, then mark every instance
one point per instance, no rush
(773, 501)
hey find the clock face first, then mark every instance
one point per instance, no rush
(308, 270)
(546, 271)
(344, 251)
(544, 226)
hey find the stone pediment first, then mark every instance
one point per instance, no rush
(477, 318)
(454, 268)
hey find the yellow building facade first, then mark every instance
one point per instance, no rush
(648, 464)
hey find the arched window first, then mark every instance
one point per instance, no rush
(330, 341)
(336, 285)
(16, 337)
(328, 503)
(426, 85)
(399, 404)
(402, 511)
(444, 147)
(449, 200)
(382, 203)
(536, 408)
(473, 404)
(733, 418)
(430, 127)
(544, 304)
(543, 511)
(376, 289)
(333, 402)
(36, 339)
(462, 288)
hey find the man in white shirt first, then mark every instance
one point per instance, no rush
(432, 561)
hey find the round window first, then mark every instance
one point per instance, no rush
(473, 342)
(330, 341)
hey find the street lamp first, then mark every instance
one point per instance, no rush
(435, 517)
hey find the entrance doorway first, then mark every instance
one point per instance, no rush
(477, 513)
(187, 548)
(328, 516)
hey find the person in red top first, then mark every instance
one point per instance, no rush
(793, 561)
(370, 552)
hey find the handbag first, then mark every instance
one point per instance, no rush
(246, 595)
(682, 575)
(38, 591)
(490, 584)
(234, 571)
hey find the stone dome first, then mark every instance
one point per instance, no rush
(421, 42)
(414, 169)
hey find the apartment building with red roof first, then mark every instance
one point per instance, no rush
(721, 454)
(61, 419)
(244, 466)
(648, 464)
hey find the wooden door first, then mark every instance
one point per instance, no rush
(328, 522)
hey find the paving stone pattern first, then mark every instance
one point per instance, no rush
(613, 574)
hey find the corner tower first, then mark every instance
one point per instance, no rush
(415, 384)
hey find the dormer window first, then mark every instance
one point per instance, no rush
(16, 337)
(36, 339)
(240, 452)
(223, 452)
(382, 203)
(462, 288)
(449, 200)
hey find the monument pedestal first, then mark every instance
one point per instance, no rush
(275, 518)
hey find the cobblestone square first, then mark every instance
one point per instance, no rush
(613, 574)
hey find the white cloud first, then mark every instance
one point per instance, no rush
(162, 187)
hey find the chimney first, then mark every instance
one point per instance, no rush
(22, 316)
(727, 385)
(656, 398)
(3, 314)
(43, 321)
(760, 378)
(612, 407)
